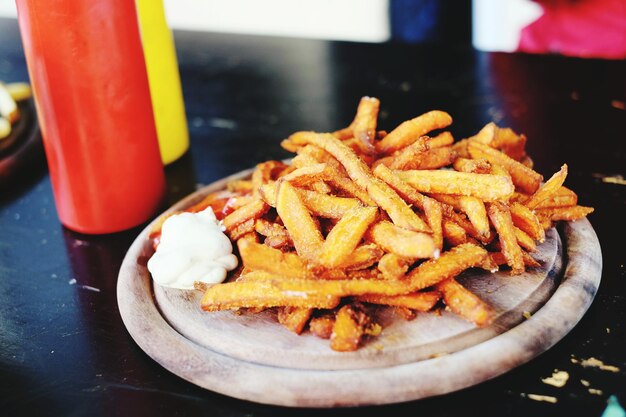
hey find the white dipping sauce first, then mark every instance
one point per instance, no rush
(193, 247)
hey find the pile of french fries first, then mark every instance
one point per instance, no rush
(10, 94)
(362, 218)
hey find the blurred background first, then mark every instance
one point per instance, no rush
(586, 28)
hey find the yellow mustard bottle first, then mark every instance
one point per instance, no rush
(164, 79)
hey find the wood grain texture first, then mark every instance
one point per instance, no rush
(286, 373)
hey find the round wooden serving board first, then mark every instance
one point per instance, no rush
(254, 358)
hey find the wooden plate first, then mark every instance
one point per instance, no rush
(252, 357)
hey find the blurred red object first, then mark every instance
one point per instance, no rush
(87, 69)
(584, 28)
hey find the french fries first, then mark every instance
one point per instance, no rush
(487, 187)
(10, 95)
(363, 218)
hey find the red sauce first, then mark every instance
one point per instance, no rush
(89, 80)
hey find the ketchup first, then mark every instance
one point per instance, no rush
(89, 81)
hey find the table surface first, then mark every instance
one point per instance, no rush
(63, 347)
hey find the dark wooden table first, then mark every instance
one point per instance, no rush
(64, 350)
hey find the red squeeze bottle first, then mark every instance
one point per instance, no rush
(87, 70)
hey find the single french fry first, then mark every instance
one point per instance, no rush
(402, 158)
(364, 124)
(259, 257)
(476, 213)
(237, 232)
(524, 240)
(393, 266)
(294, 318)
(548, 189)
(306, 175)
(565, 213)
(345, 236)
(462, 220)
(407, 132)
(453, 233)
(442, 139)
(262, 294)
(523, 177)
(486, 187)
(404, 243)
(384, 196)
(322, 326)
(510, 143)
(485, 135)
(252, 210)
(433, 159)
(363, 257)
(465, 303)
(268, 192)
(278, 241)
(500, 217)
(460, 147)
(236, 202)
(530, 261)
(472, 207)
(320, 187)
(328, 206)
(499, 259)
(304, 232)
(526, 220)
(434, 217)
(267, 229)
(563, 197)
(420, 301)
(476, 166)
(348, 329)
(404, 190)
(449, 264)
(503, 139)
